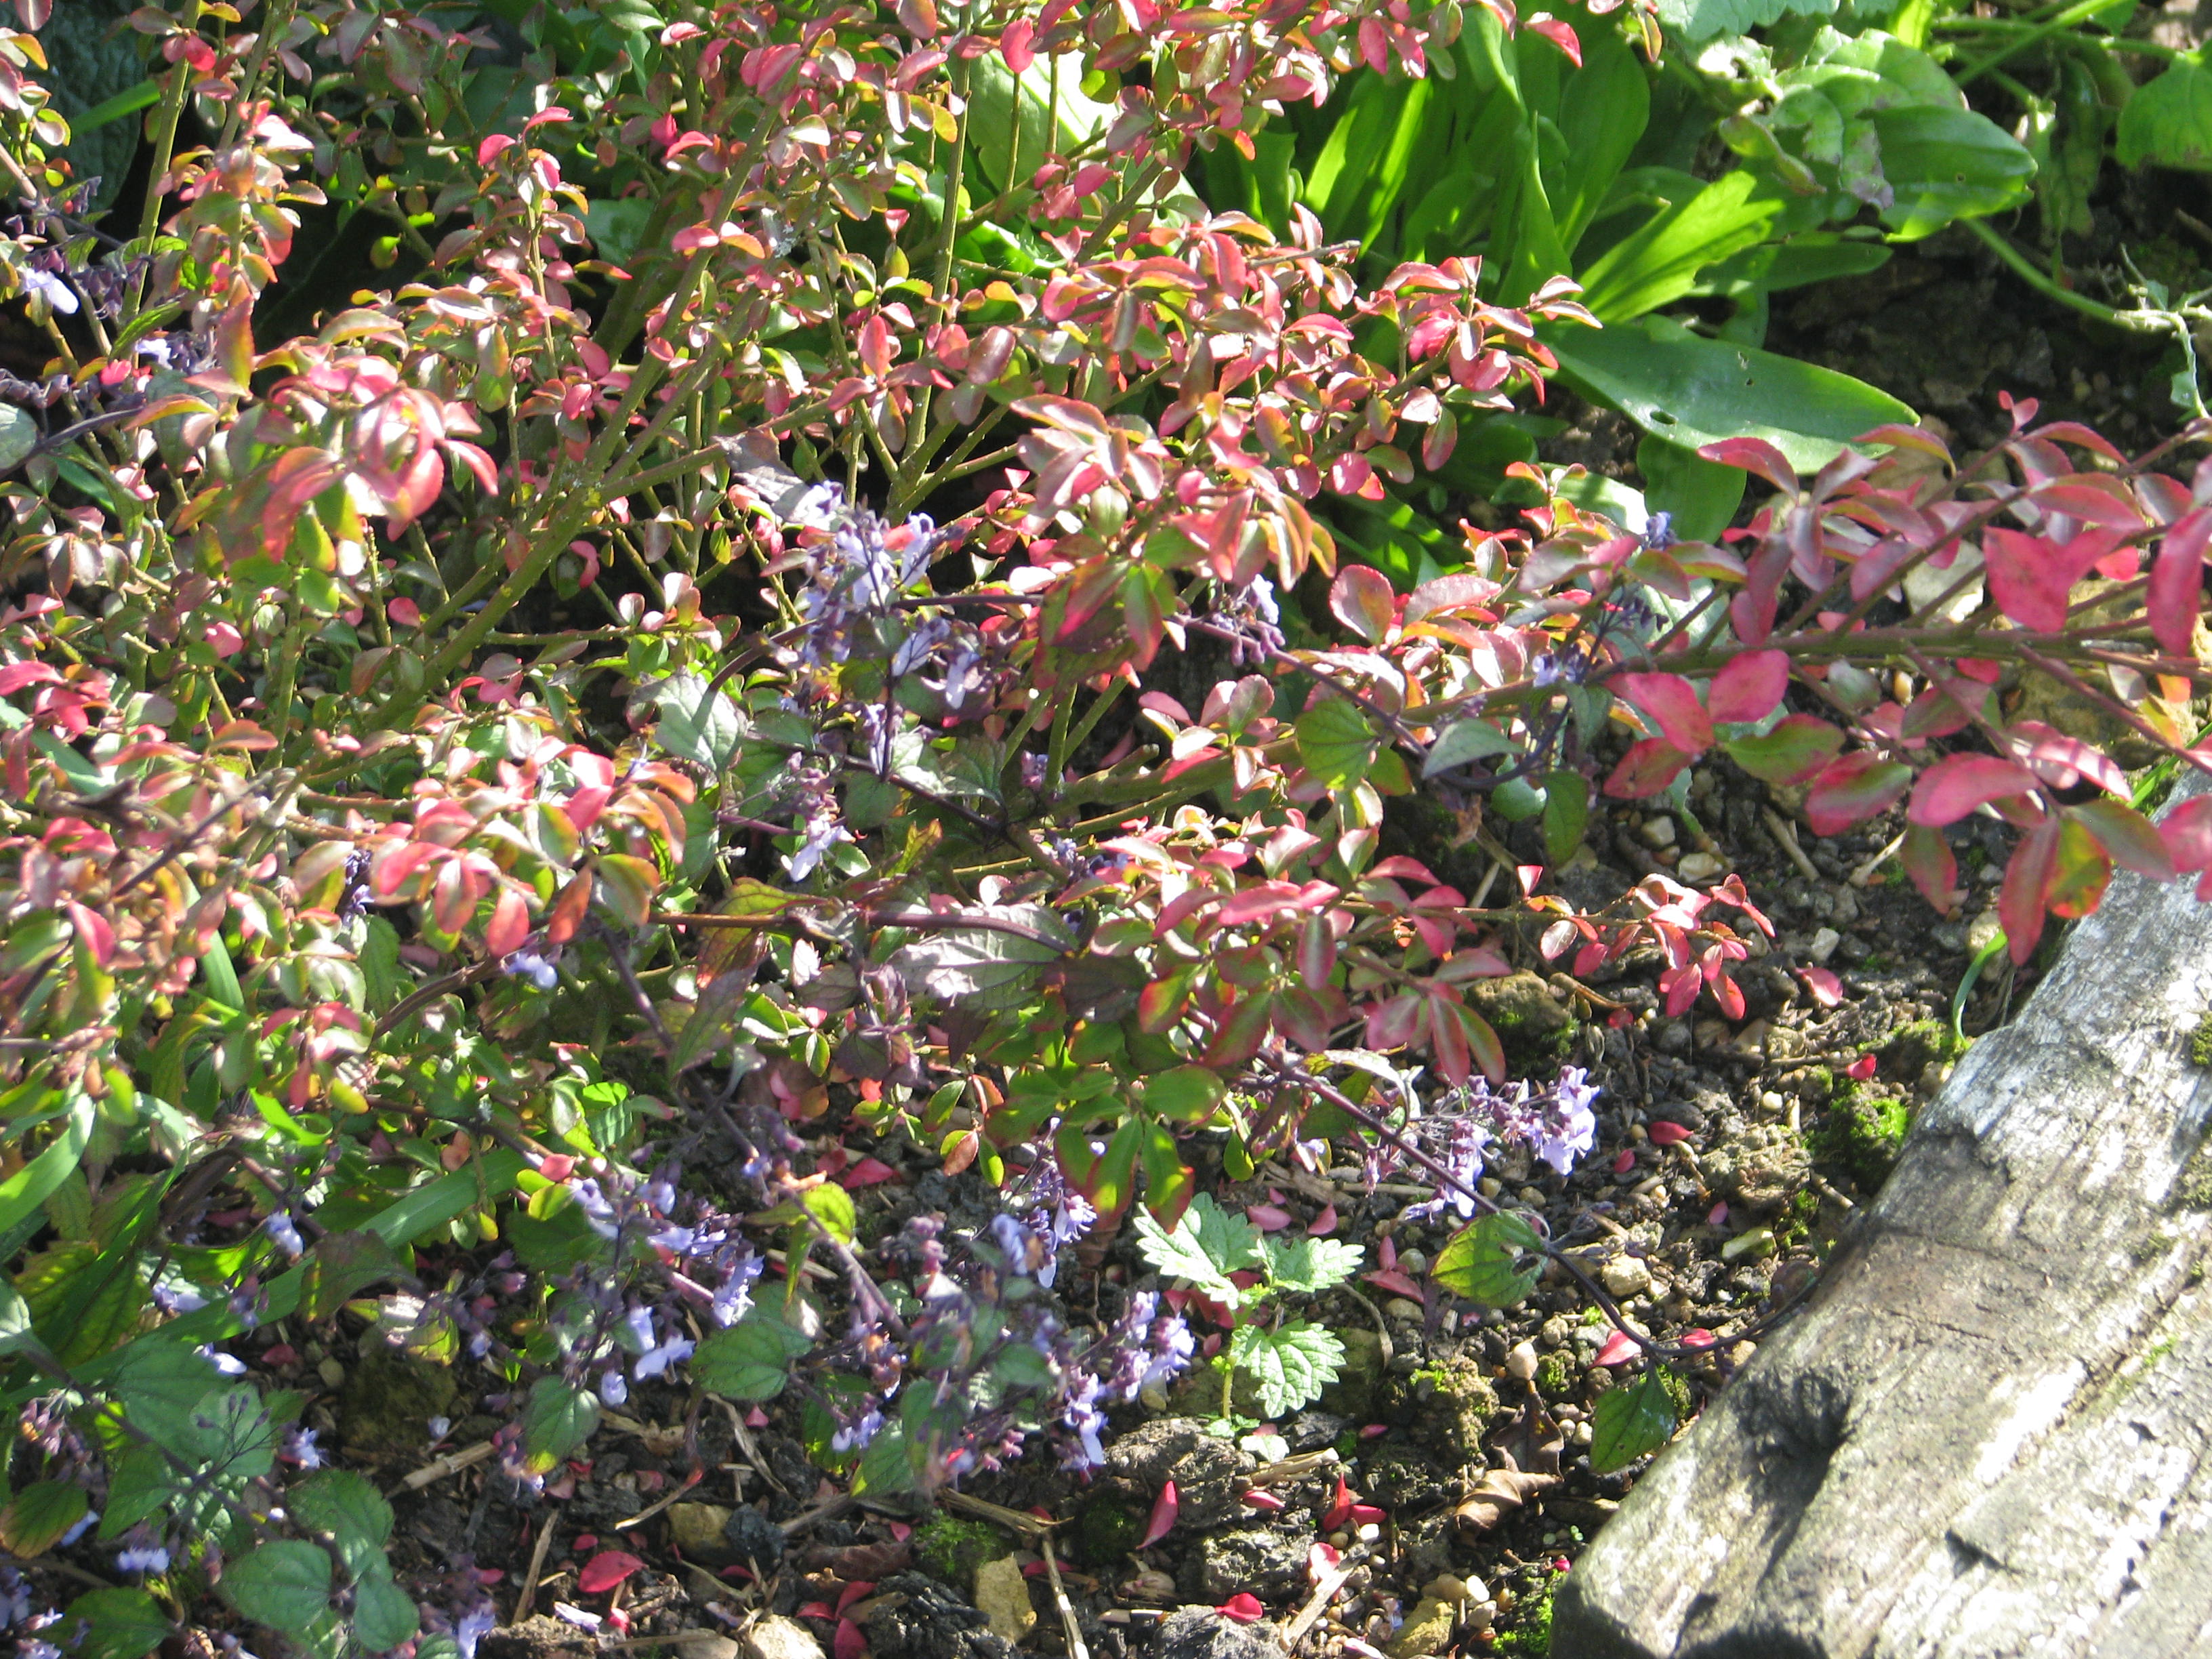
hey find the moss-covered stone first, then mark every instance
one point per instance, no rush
(1862, 1132)
(1534, 1028)
(2200, 1040)
(1556, 1378)
(1446, 1405)
(2193, 1188)
(1355, 1392)
(388, 1400)
(951, 1547)
(1909, 1050)
(1105, 1530)
(1530, 1635)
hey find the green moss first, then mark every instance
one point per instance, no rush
(2200, 1040)
(948, 1547)
(1909, 1050)
(1862, 1133)
(1795, 1222)
(2193, 1190)
(1105, 1532)
(1555, 1377)
(1447, 1406)
(1530, 1637)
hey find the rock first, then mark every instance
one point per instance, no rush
(1310, 1431)
(1658, 830)
(710, 1646)
(1204, 1467)
(541, 1637)
(1446, 1404)
(753, 1539)
(1004, 1596)
(389, 1398)
(1399, 1308)
(696, 1530)
(1521, 1362)
(1627, 1277)
(1699, 867)
(1202, 1633)
(1982, 930)
(1426, 1631)
(1529, 1020)
(1403, 1480)
(1255, 1559)
(771, 1637)
(1823, 946)
(1352, 1395)
(1760, 1169)
(1106, 1530)
(914, 1617)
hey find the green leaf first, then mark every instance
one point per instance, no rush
(1693, 392)
(1203, 1248)
(16, 1335)
(1661, 262)
(694, 727)
(1701, 20)
(1632, 1421)
(752, 1359)
(284, 1585)
(1004, 148)
(1483, 1263)
(558, 1420)
(160, 1382)
(354, 1513)
(1189, 1094)
(1336, 743)
(1796, 748)
(1463, 741)
(985, 965)
(2168, 123)
(140, 1484)
(22, 1193)
(383, 1616)
(1311, 1264)
(19, 436)
(119, 1624)
(1566, 812)
(1945, 165)
(340, 1266)
(40, 1514)
(832, 1205)
(232, 1438)
(1292, 1364)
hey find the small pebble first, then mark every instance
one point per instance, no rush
(1532, 1196)
(1490, 1185)
(1399, 1308)
(1521, 1362)
(1369, 1532)
(1340, 1540)
(1580, 1434)
(1701, 867)
(1771, 1101)
(332, 1373)
(1626, 1275)
(1824, 944)
(1658, 830)
(1413, 1262)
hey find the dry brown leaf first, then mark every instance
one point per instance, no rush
(1497, 1494)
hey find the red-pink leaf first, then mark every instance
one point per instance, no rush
(1267, 1218)
(1927, 858)
(1671, 703)
(1754, 455)
(2025, 892)
(1664, 1133)
(1261, 1499)
(606, 1569)
(509, 925)
(2030, 577)
(92, 930)
(2128, 835)
(868, 1172)
(1700, 1338)
(1860, 1069)
(1648, 767)
(1394, 1279)
(1827, 990)
(1853, 790)
(1014, 45)
(2187, 833)
(848, 1643)
(1749, 687)
(1561, 34)
(1362, 602)
(1620, 1348)
(1339, 1507)
(2060, 761)
(1165, 1508)
(1323, 1223)
(14, 676)
(1957, 784)
(2177, 584)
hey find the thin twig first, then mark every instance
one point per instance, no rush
(450, 1463)
(536, 1565)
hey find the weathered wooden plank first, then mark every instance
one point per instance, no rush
(1985, 1433)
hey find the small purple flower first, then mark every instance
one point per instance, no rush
(613, 1390)
(279, 1227)
(58, 293)
(152, 1557)
(224, 1363)
(540, 971)
(299, 1448)
(84, 1524)
(654, 1361)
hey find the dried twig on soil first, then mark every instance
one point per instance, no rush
(537, 1553)
(1325, 1588)
(450, 1463)
(1291, 1468)
(1785, 837)
(1036, 1527)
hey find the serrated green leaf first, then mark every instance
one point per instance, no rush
(40, 1514)
(139, 1485)
(2168, 123)
(284, 1585)
(557, 1422)
(383, 1616)
(1336, 743)
(1485, 1262)
(705, 730)
(1630, 1422)
(752, 1359)
(1204, 1247)
(1292, 1364)
(354, 1513)
(1701, 20)
(1311, 1264)
(118, 1624)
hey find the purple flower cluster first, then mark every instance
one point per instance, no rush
(1459, 1130)
(853, 575)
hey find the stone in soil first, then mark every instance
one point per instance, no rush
(696, 1530)
(1202, 1633)
(917, 1617)
(1003, 1595)
(1203, 1467)
(540, 1637)
(1260, 1560)
(757, 1541)
(776, 1638)
(1446, 1404)
(1427, 1631)
(388, 1400)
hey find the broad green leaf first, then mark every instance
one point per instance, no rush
(1189, 1094)
(40, 1514)
(118, 1624)
(1630, 1421)
(984, 966)
(1336, 743)
(1662, 261)
(284, 1585)
(1945, 165)
(752, 1359)
(1694, 392)
(694, 727)
(1311, 1264)
(1795, 750)
(2168, 123)
(1701, 495)
(557, 1421)
(232, 1438)
(832, 1205)
(355, 1515)
(1566, 811)
(1463, 741)
(141, 1482)
(1292, 1364)
(1204, 1247)
(383, 1616)
(1483, 1263)
(1701, 20)
(1053, 114)
(22, 1193)
(19, 436)
(340, 1266)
